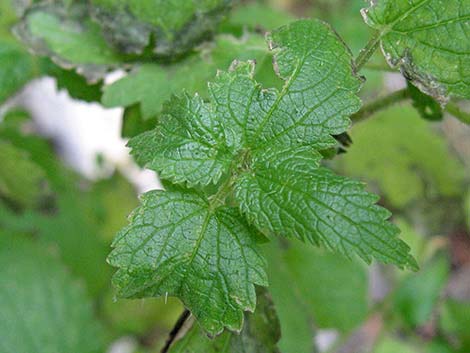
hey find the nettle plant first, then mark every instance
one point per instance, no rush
(241, 162)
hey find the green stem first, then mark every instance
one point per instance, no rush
(380, 104)
(453, 109)
(367, 52)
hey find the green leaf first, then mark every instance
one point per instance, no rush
(418, 293)
(427, 41)
(176, 25)
(317, 98)
(178, 245)
(21, 180)
(260, 137)
(402, 145)
(260, 334)
(75, 84)
(69, 37)
(17, 68)
(152, 84)
(334, 211)
(186, 146)
(43, 309)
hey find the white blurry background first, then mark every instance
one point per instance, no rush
(82, 132)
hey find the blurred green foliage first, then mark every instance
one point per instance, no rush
(405, 157)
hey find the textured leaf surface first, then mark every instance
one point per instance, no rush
(294, 197)
(177, 25)
(318, 95)
(260, 334)
(402, 146)
(151, 84)
(428, 40)
(177, 245)
(260, 137)
(43, 309)
(187, 145)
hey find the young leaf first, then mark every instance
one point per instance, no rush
(260, 333)
(43, 309)
(260, 137)
(428, 41)
(177, 244)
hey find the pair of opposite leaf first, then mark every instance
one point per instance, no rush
(260, 147)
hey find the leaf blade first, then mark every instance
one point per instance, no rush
(176, 245)
(335, 212)
(414, 37)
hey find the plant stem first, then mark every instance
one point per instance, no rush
(455, 110)
(367, 52)
(380, 104)
(176, 329)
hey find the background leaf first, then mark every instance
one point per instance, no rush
(415, 37)
(38, 299)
